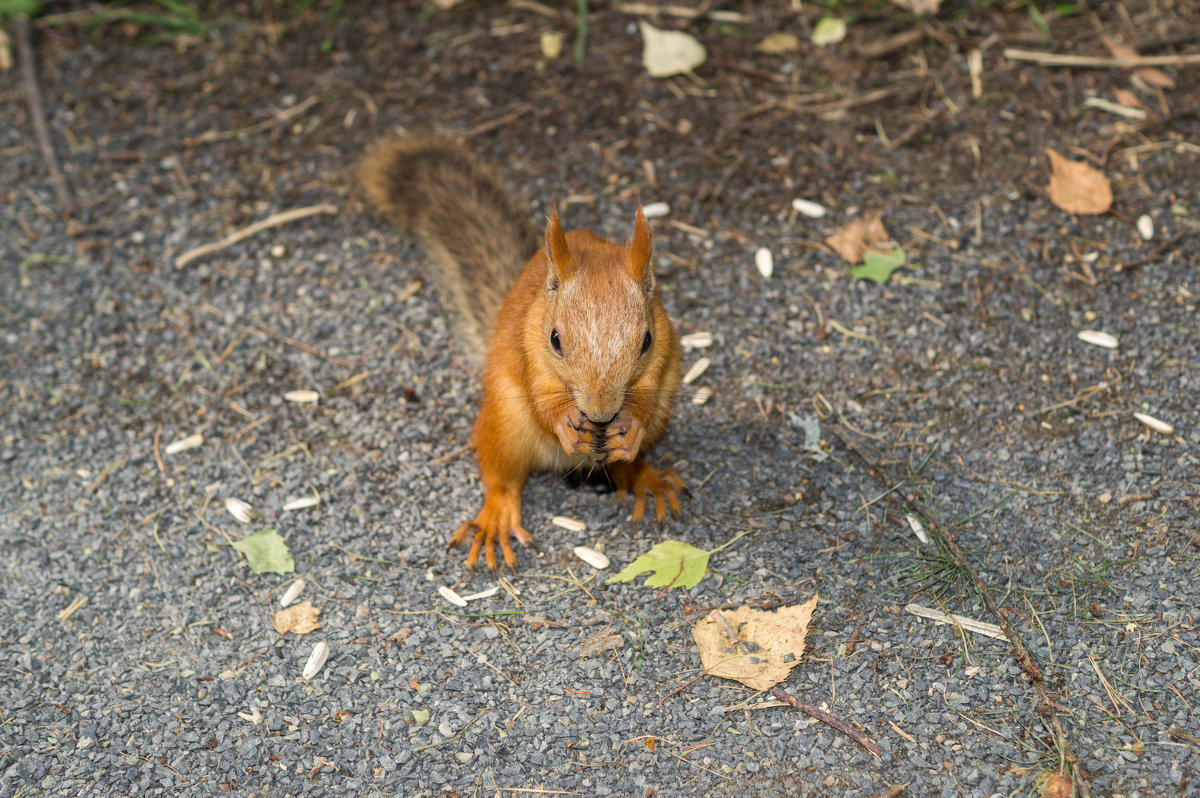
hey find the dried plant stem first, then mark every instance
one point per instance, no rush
(274, 220)
(825, 717)
(37, 115)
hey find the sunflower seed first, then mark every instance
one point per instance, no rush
(1154, 424)
(302, 397)
(239, 510)
(655, 210)
(764, 261)
(809, 208)
(918, 528)
(451, 596)
(482, 594)
(1097, 338)
(702, 395)
(293, 592)
(316, 660)
(183, 444)
(697, 340)
(591, 557)
(698, 368)
(568, 523)
(302, 503)
(1145, 227)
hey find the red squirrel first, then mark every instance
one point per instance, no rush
(582, 362)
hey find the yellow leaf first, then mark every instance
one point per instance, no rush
(755, 647)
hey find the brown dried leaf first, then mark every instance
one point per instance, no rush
(763, 648)
(1119, 49)
(1155, 77)
(299, 618)
(853, 240)
(1077, 187)
(600, 642)
(1128, 99)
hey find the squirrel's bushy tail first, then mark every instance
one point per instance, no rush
(477, 235)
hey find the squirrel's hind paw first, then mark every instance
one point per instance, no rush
(644, 481)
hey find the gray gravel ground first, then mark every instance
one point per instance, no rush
(1074, 514)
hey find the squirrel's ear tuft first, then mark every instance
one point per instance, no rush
(562, 262)
(641, 251)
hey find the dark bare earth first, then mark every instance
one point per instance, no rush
(959, 392)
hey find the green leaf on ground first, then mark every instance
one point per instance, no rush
(266, 553)
(673, 562)
(878, 266)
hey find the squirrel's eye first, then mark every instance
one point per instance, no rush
(646, 343)
(554, 342)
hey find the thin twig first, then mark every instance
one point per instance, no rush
(825, 717)
(1099, 62)
(37, 114)
(274, 220)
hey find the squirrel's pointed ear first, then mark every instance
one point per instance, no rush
(562, 263)
(641, 251)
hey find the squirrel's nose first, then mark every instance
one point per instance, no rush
(595, 419)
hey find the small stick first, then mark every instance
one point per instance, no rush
(37, 113)
(825, 717)
(1099, 62)
(274, 220)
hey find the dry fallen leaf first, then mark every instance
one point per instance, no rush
(1150, 75)
(300, 618)
(755, 647)
(600, 642)
(1078, 187)
(853, 240)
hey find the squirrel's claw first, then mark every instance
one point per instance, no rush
(485, 537)
(644, 481)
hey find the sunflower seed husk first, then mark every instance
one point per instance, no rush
(239, 510)
(572, 524)
(183, 444)
(293, 592)
(1145, 227)
(1097, 338)
(451, 596)
(482, 594)
(698, 368)
(697, 340)
(809, 208)
(1154, 424)
(302, 502)
(702, 395)
(918, 528)
(302, 397)
(764, 261)
(591, 557)
(655, 210)
(316, 660)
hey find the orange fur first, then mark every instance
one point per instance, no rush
(597, 400)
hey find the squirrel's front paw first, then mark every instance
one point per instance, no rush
(574, 432)
(497, 523)
(625, 437)
(642, 480)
